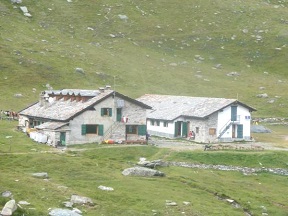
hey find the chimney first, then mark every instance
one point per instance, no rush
(107, 87)
(44, 97)
(101, 89)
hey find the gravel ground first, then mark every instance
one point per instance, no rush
(182, 145)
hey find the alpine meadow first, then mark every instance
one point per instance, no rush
(199, 48)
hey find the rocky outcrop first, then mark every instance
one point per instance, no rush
(142, 171)
(9, 208)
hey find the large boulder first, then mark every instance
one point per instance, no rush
(43, 175)
(63, 212)
(81, 200)
(9, 208)
(142, 171)
(151, 164)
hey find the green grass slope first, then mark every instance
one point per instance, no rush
(138, 47)
(83, 168)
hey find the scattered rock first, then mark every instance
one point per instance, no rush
(245, 31)
(217, 66)
(42, 175)
(80, 200)
(233, 74)
(173, 64)
(123, 17)
(186, 203)
(151, 164)
(142, 171)
(22, 202)
(79, 70)
(63, 212)
(9, 208)
(6, 194)
(264, 95)
(25, 11)
(18, 95)
(16, 1)
(68, 204)
(101, 187)
(170, 203)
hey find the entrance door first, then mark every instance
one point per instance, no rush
(178, 128)
(233, 131)
(240, 131)
(63, 138)
(184, 129)
(119, 114)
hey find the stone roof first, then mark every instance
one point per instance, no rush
(169, 107)
(51, 125)
(80, 92)
(63, 110)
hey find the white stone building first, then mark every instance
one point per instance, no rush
(210, 119)
(75, 116)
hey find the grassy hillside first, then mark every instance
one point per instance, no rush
(83, 168)
(163, 47)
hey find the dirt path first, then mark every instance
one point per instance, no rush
(188, 145)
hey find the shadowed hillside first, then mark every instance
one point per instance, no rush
(219, 48)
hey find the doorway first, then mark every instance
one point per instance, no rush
(62, 138)
(118, 114)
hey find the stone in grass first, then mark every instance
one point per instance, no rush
(81, 200)
(170, 203)
(9, 208)
(43, 175)
(142, 171)
(6, 194)
(63, 212)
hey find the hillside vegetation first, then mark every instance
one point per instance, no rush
(81, 169)
(138, 47)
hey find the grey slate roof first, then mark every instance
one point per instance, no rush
(62, 110)
(81, 92)
(51, 125)
(169, 107)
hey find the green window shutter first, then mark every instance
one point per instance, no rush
(184, 129)
(110, 111)
(83, 129)
(176, 129)
(100, 130)
(102, 111)
(142, 130)
(233, 113)
(240, 131)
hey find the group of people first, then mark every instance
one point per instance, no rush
(191, 135)
(8, 114)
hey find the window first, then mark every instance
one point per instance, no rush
(212, 131)
(152, 122)
(197, 130)
(106, 111)
(158, 123)
(136, 129)
(131, 129)
(165, 124)
(92, 129)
